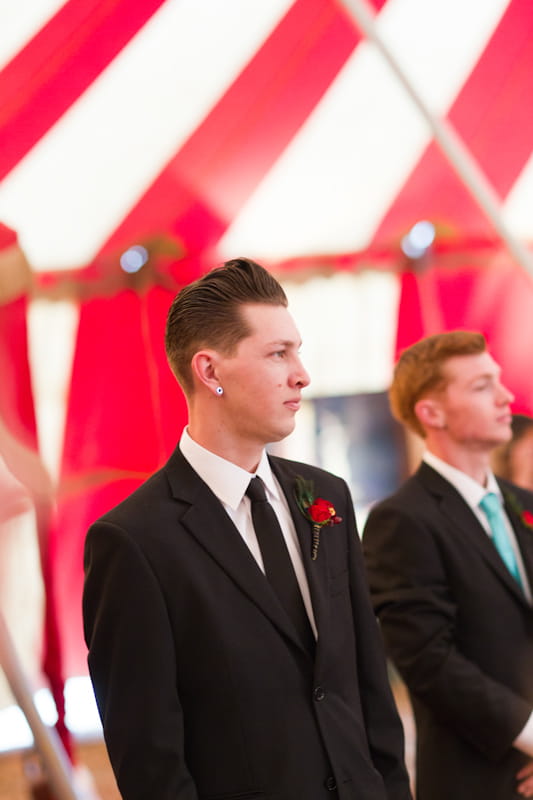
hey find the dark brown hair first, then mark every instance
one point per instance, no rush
(206, 313)
(419, 371)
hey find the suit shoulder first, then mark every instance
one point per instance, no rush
(140, 500)
(407, 495)
(412, 510)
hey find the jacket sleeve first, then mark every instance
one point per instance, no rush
(132, 663)
(383, 724)
(413, 597)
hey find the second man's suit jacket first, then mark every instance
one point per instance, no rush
(460, 631)
(204, 689)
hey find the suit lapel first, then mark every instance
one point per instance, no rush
(463, 519)
(206, 520)
(523, 533)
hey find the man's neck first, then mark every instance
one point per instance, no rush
(244, 454)
(474, 463)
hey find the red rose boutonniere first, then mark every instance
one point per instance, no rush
(525, 516)
(318, 511)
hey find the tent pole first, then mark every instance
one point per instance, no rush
(46, 739)
(447, 138)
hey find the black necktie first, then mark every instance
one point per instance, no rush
(277, 562)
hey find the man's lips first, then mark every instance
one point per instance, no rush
(294, 405)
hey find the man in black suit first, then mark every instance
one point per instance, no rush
(218, 673)
(451, 582)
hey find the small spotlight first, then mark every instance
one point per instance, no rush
(419, 239)
(134, 258)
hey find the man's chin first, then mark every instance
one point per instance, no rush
(280, 435)
(506, 435)
(503, 438)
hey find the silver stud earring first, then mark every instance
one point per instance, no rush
(219, 390)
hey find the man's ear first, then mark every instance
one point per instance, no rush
(204, 369)
(430, 413)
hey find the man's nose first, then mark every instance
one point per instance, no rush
(302, 377)
(506, 396)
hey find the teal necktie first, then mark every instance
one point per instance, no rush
(491, 505)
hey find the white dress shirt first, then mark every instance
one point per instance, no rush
(472, 492)
(229, 482)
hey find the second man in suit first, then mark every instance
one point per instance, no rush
(450, 563)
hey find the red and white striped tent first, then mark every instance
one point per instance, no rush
(311, 135)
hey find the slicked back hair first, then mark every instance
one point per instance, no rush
(207, 313)
(420, 370)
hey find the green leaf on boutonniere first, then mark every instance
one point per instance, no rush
(525, 515)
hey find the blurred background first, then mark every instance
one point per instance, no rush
(375, 156)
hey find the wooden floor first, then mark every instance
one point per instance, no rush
(14, 785)
(92, 754)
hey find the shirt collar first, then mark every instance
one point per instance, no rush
(471, 491)
(225, 479)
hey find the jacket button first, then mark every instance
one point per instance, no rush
(319, 693)
(330, 783)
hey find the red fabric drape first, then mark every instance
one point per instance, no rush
(124, 417)
(16, 398)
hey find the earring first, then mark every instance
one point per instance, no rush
(219, 390)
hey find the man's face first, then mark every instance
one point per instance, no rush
(263, 378)
(475, 404)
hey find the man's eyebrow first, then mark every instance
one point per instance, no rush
(486, 375)
(285, 343)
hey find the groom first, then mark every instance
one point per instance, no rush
(232, 645)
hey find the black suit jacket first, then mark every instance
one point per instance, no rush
(460, 631)
(203, 687)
